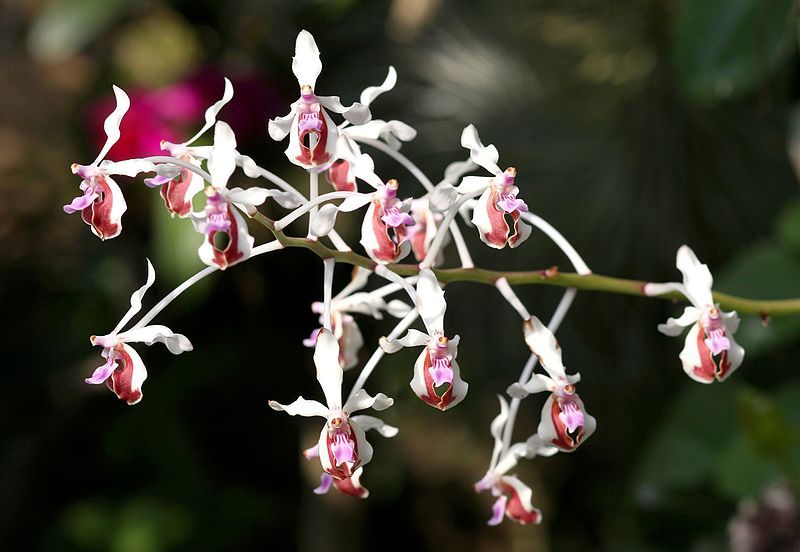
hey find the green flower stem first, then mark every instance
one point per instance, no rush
(549, 276)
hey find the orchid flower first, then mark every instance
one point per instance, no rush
(498, 196)
(307, 120)
(710, 352)
(342, 444)
(565, 424)
(219, 215)
(437, 377)
(344, 326)
(124, 372)
(102, 203)
(178, 185)
(352, 485)
(513, 496)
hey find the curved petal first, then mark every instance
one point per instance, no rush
(370, 422)
(102, 373)
(534, 447)
(323, 221)
(247, 200)
(675, 326)
(536, 384)
(519, 507)
(363, 400)
(652, 289)
(112, 122)
(279, 127)
(352, 485)
(306, 64)
(485, 156)
(136, 298)
(391, 132)
(457, 169)
(473, 184)
(430, 301)
(496, 428)
(357, 114)
(696, 277)
(126, 381)
(325, 482)
(213, 110)
(222, 159)
(371, 92)
(129, 167)
(301, 407)
(176, 343)
(442, 198)
(329, 372)
(413, 338)
(350, 341)
(543, 344)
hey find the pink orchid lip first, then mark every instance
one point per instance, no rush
(394, 217)
(325, 482)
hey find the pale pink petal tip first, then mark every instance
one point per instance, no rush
(325, 482)
(103, 372)
(498, 511)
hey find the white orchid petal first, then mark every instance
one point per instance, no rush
(413, 338)
(442, 198)
(279, 127)
(457, 169)
(213, 110)
(371, 92)
(248, 199)
(485, 156)
(176, 343)
(357, 114)
(496, 429)
(363, 400)
(287, 200)
(543, 344)
(353, 202)
(323, 221)
(696, 277)
(222, 159)
(398, 308)
(675, 326)
(537, 384)
(474, 184)
(129, 167)
(112, 122)
(430, 301)
(535, 446)
(306, 64)
(329, 371)
(301, 407)
(652, 289)
(136, 298)
(370, 422)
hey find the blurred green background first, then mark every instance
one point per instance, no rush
(635, 126)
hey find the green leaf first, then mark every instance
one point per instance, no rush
(725, 48)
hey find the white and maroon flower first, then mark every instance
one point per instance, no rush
(102, 203)
(514, 498)
(565, 424)
(352, 485)
(124, 372)
(710, 352)
(383, 232)
(178, 185)
(220, 215)
(312, 133)
(497, 212)
(437, 376)
(343, 447)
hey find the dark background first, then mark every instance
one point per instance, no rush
(635, 126)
